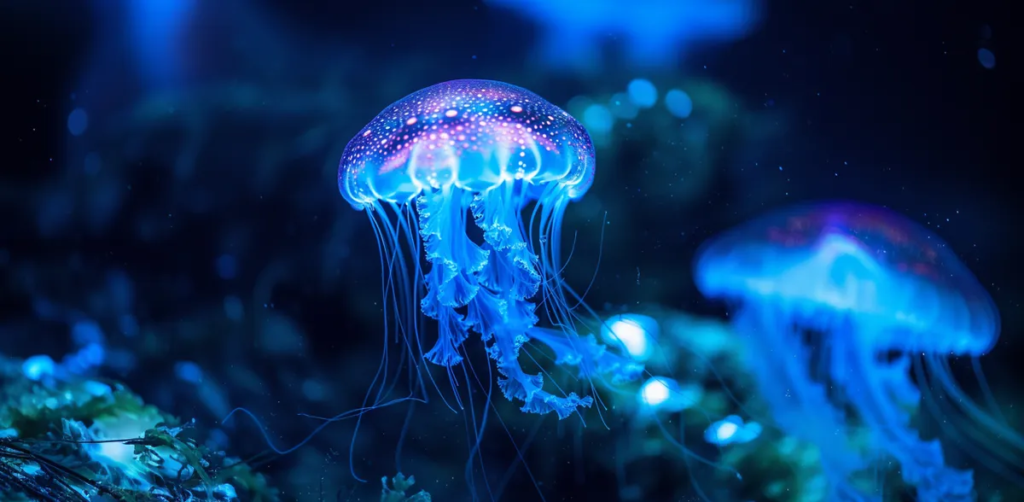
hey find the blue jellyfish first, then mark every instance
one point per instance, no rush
(654, 32)
(732, 430)
(838, 301)
(466, 183)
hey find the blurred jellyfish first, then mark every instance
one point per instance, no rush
(78, 121)
(665, 394)
(635, 333)
(446, 174)
(227, 266)
(156, 31)
(38, 367)
(858, 282)
(189, 372)
(86, 332)
(731, 430)
(987, 58)
(654, 32)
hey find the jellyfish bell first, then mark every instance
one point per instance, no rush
(474, 135)
(666, 394)
(905, 287)
(637, 334)
(869, 281)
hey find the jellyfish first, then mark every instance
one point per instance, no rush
(732, 430)
(466, 183)
(838, 301)
(654, 32)
(637, 334)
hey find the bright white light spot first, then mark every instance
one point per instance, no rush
(655, 392)
(632, 336)
(726, 431)
(732, 430)
(37, 367)
(118, 452)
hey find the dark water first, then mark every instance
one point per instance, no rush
(169, 183)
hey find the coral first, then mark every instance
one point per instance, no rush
(399, 485)
(77, 439)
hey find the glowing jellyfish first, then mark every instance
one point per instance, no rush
(38, 367)
(859, 282)
(78, 122)
(665, 394)
(474, 177)
(732, 430)
(635, 333)
(987, 58)
(653, 32)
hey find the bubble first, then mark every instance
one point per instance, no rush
(642, 93)
(78, 121)
(678, 103)
(986, 58)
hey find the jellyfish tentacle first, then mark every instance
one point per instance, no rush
(801, 406)
(502, 323)
(922, 462)
(501, 311)
(593, 358)
(451, 282)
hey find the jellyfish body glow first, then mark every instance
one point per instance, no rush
(860, 281)
(466, 158)
(665, 394)
(654, 32)
(637, 334)
(731, 430)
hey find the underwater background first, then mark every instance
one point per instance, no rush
(186, 297)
